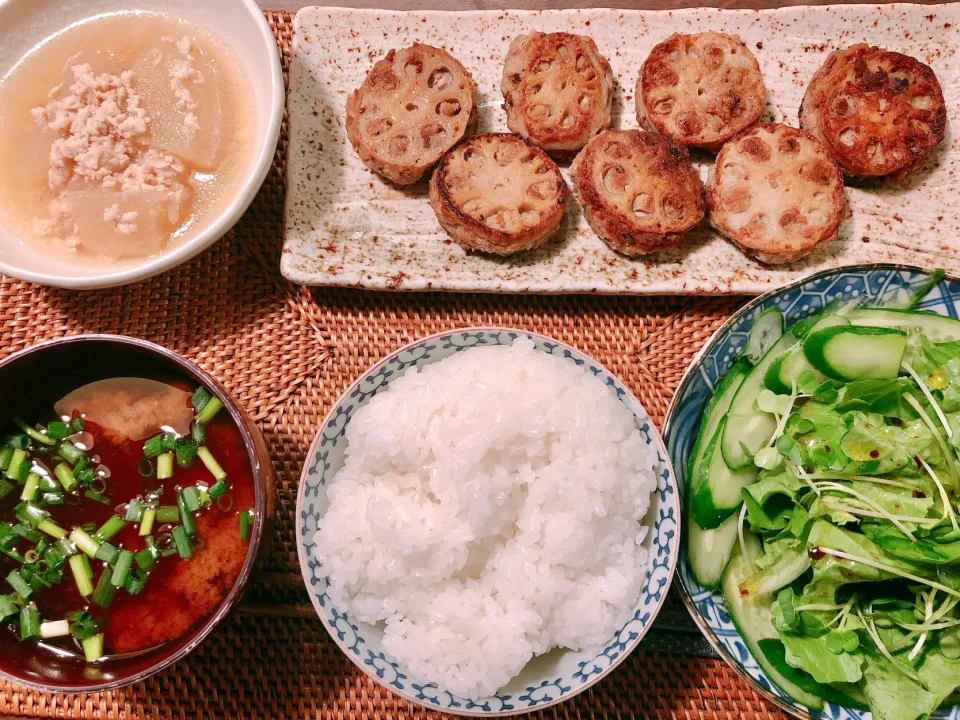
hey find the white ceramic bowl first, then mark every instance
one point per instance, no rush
(547, 679)
(244, 30)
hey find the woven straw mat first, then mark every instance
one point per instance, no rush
(287, 353)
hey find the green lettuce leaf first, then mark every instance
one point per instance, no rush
(775, 653)
(922, 551)
(891, 695)
(940, 675)
(814, 657)
(877, 396)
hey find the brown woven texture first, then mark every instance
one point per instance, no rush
(287, 353)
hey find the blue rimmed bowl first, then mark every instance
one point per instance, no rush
(548, 679)
(796, 301)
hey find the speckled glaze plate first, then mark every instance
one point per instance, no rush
(346, 226)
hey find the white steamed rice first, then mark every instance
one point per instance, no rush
(488, 511)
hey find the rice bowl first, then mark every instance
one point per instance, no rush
(541, 544)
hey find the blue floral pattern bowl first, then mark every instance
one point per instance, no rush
(796, 301)
(547, 679)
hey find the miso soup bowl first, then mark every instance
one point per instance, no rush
(41, 368)
(243, 29)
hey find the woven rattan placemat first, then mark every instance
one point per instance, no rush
(286, 354)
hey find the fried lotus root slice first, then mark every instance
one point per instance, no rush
(776, 193)
(557, 90)
(499, 194)
(413, 106)
(638, 190)
(700, 90)
(877, 112)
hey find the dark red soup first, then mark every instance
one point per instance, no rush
(124, 518)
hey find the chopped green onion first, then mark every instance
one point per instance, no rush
(82, 624)
(47, 483)
(30, 514)
(54, 629)
(31, 487)
(182, 542)
(134, 510)
(97, 497)
(111, 527)
(57, 430)
(65, 475)
(186, 452)
(53, 558)
(40, 437)
(107, 553)
(82, 540)
(165, 466)
(8, 608)
(136, 582)
(29, 622)
(52, 498)
(30, 557)
(93, 648)
(77, 424)
(89, 527)
(84, 475)
(122, 569)
(211, 463)
(42, 545)
(201, 396)
(16, 462)
(70, 452)
(6, 455)
(146, 559)
(6, 487)
(209, 411)
(168, 514)
(246, 522)
(52, 529)
(191, 498)
(19, 585)
(153, 447)
(185, 517)
(65, 547)
(219, 489)
(199, 433)
(103, 595)
(145, 467)
(146, 524)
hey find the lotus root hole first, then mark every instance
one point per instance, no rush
(734, 172)
(448, 108)
(529, 216)
(582, 63)
(410, 107)
(440, 79)
(505, 154)
(689, 124)
(663, 107)
(615, 179)
(643, 205)
(922, 102)
(617, 150)
(428, 133)
(756, 149)
(584, 102)
(567, 121)
(664, 75)
(563, 51)
(563, 84)
(875, 151)
(541, 111)
(399, 145)
(713, 57)
(542, 189)
(758, 223)
(379, 127)
(535, 89)
(843, 106)
(471, 207)
(847, 136)
(673, 208)
(413, 68)
(472, 156)
(789, 146)
(543, 66)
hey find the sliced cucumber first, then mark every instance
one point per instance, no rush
(713, 414)
(753, 618)
(765, 332)
(715, 491)
(748, 424)
(784, 371)
(856, 352)
(903, 299)
(709, 551)
(779, 575)
(936, 328)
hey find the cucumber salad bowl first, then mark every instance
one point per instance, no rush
(816, 439)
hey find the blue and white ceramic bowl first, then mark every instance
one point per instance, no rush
(545, 680)
(796, 301)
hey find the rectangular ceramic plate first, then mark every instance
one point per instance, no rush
(345, 226)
